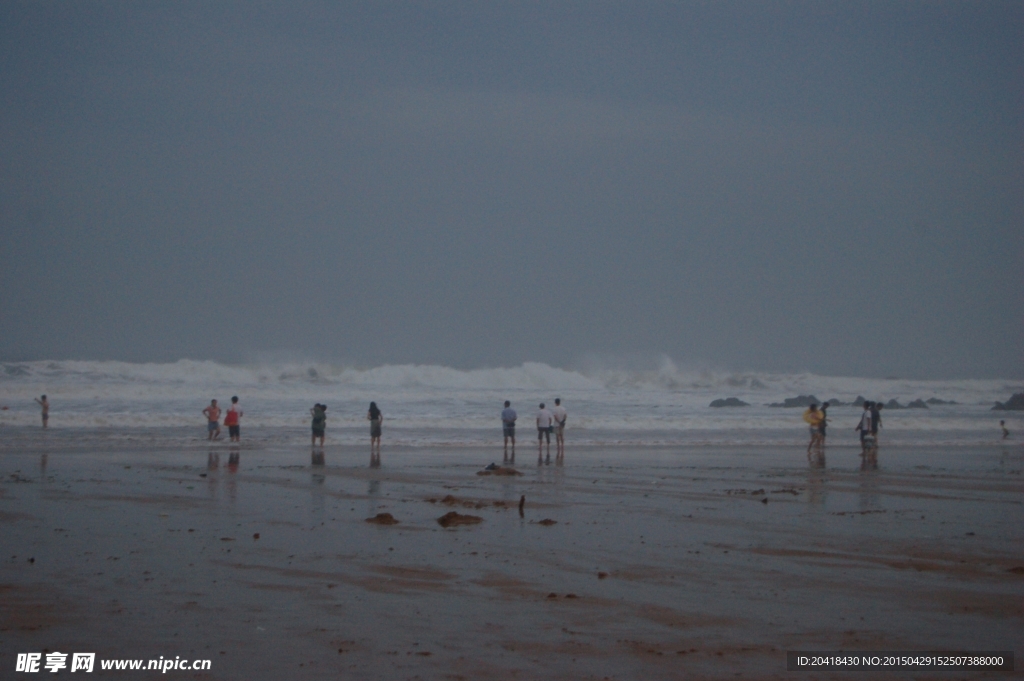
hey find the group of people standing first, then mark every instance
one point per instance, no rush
(548, 421)
(870, 422)
(232, 419)
(373, 415)
(817, 419)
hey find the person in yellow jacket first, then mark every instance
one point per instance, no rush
(814, 417)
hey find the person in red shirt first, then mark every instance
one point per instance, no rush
(231, 417)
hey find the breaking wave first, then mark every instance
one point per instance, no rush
(659, 402)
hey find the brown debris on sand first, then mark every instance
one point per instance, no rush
(383, 519)
(546, 522)
(452, 519)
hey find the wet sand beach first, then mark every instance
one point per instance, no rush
(660, 563)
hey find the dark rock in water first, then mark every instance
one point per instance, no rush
(835, 403)
(1015, 403)
(729, 402)
(859, 402)
(935, 400)
(799, 401)
(893, 404)
(917, 404)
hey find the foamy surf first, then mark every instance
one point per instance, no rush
(436, 405)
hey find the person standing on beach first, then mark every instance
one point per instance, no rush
(813, 418)
(1002, 424)
(42, 402)
(824, 424)
(558, 413)
(876, 419)
(376, 418)
(212, 414)
(319, 412)
(508, 426)
(234, 413)
(865, 426)
(544, 421)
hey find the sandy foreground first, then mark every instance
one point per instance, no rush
(661, 563)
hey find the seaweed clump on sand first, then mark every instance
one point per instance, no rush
(383, 519)
(452, 519)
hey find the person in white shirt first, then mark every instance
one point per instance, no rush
(544, 428)
(867, 441)
(558, 413)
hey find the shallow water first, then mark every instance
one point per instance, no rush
(439, 406)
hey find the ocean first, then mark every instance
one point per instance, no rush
(430, 406)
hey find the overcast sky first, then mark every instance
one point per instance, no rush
(831, 187)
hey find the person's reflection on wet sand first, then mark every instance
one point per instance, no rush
(373, 497)
(316, 460)
(212, 465)
(234, 458)
(868, 488)
(374, 459)
(42, 467)
(816, 478)
(816, 458)
(869, 459)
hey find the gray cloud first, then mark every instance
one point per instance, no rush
(753, 186)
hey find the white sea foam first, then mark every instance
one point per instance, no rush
(436, 404)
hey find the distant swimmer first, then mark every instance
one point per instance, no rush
(508, 426)
(544, 428)
(231, 417)
(558, 413)
(813, 418)
(212, 414)
(42, 402)
(319, 412)
(1002, 424)
(376, 418)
